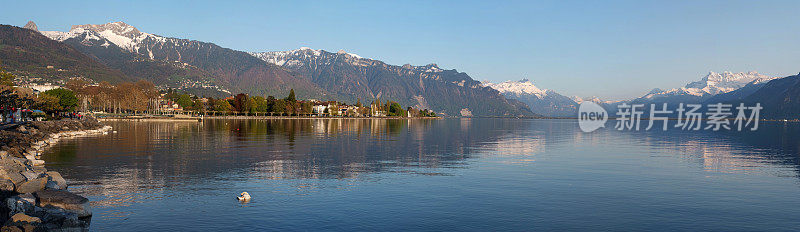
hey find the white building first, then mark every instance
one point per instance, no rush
(319, 109)
(37, 88)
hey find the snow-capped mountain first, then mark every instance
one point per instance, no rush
(204, 67)
(306, 56)
(119, 33)
(352, 77)
(521, 87)
(298, 56)
(712, 84)
(541, 101)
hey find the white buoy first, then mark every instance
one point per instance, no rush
(244, 196)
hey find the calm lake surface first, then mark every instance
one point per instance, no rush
(449, 174)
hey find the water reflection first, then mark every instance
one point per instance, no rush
(773, 149)
(148, 161)
(147, 157)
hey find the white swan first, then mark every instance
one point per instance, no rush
(244, 196)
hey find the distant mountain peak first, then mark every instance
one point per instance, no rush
(655, 90)
(31, 25)
(343, 52)
(119, 33)
(118, 28)
(523, 86)
(594, 99)
(713, 83)
(305, 55)
(541, 101)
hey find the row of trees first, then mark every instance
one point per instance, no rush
(126, 97)
(289, 105)
(242, 103)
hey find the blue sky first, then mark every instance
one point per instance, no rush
(611, 49)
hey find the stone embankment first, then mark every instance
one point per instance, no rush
(34, 199)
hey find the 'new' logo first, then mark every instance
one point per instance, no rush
(591, 116)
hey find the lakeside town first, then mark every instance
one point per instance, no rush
(35, 116)
(80, 96)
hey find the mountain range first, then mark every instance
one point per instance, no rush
(542, 101)
(116, 52)
(710, 85)
(352, 77)
(780, 97)
(120, 52)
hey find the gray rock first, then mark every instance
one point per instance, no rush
(29, 175)
(16, 177)
(55, 176)
(32, 185)
(9, 166)
(15, 204)
(55, 181)
(65, 200)
(60, 219)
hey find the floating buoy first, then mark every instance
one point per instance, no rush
(244, 196)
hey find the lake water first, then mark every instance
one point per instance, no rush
(420, 175)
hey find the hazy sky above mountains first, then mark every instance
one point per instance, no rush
(614, 50)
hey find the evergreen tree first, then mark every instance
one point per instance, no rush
(291, 98)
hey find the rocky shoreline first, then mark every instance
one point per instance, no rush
(34, 199)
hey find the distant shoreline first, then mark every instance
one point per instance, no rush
(189, 119)
(172, 119)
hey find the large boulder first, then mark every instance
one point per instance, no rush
(55, 181)
(9, 167)
(33, 185)
(65, 200)
(16, 177)
(16, 204)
